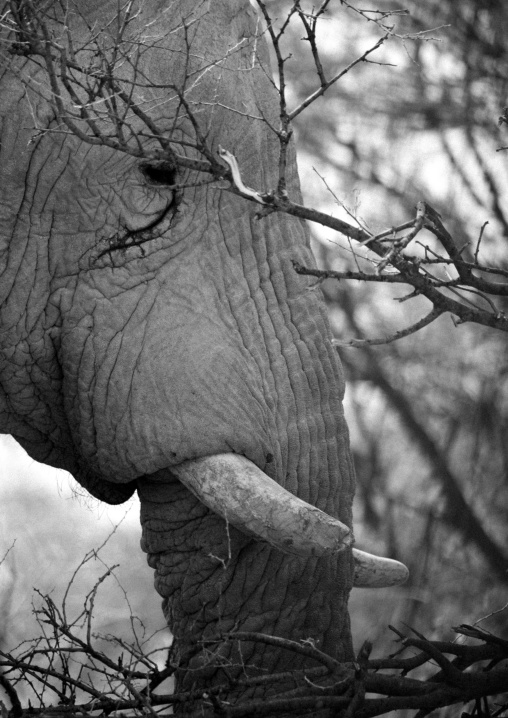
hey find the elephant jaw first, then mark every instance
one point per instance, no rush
(236, 489)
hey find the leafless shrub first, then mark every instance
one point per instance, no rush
(69, 670)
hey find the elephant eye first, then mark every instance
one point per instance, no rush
(162, 173)
(158, 175)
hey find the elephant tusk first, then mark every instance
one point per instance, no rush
(377, 572)
(236, 489)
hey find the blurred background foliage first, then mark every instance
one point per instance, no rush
(429, 413)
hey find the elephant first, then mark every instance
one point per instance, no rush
(155, 336)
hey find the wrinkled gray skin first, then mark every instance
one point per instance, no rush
(118, 367)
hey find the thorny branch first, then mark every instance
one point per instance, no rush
(458, 288)
(95, 88)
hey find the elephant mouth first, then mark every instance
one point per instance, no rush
(236, 489)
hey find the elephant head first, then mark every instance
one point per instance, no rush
(154, 334)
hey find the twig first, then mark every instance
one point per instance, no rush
(477, 249)
(400, 334)
(321, 90)
(304, 649)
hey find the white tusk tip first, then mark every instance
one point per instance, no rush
(377, 572)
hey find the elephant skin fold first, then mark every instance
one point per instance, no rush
(236, 489)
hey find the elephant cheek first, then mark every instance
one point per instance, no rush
(164, 395)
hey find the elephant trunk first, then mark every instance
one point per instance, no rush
(215, 581)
